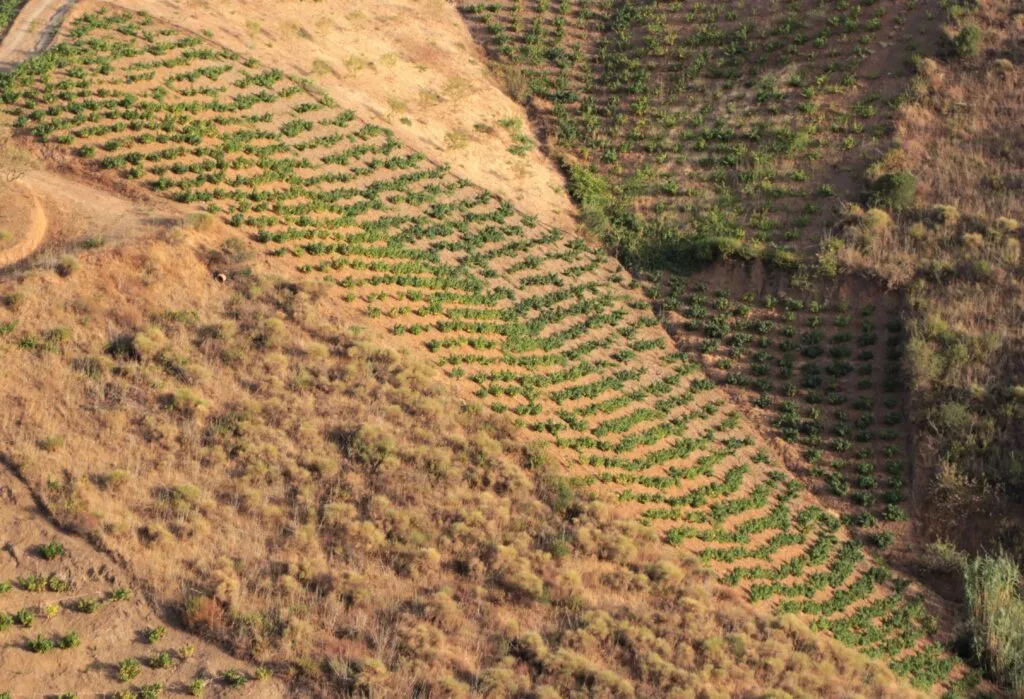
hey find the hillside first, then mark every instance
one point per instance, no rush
(276, 479)
(364, 423)
(839, 170)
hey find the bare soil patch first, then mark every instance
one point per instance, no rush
(22, 224)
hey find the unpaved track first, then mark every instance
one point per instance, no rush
(34, 236)
(32, 31)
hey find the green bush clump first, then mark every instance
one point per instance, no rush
(128, 670)
(52, 550)
(234, 678)
(39, 644)
(894, 190)
(968, 41)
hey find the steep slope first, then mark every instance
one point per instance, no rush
(882, 140)
(283, 482)
(545, 329)
(955, 249)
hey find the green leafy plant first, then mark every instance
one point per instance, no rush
(234, 678)
(894, 190)
(68, 641)
(161, 660)
(128, 669)
(25, 617)
(39, 644)
(52, 550)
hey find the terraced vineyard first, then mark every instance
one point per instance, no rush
(534, 320)
(825, 376)
(721, 128)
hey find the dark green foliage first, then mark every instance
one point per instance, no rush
(52, 550)
(8, 11)
(894, 191)
(968, 41)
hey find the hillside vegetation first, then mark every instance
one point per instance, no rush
(283, 483)
(833, 141)
(250, 414)
(8, 11)
(956, 250)
(693, 130)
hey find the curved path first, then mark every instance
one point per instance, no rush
(33, 30)
(34, 236)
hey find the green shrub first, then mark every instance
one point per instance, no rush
(128, 670)
(87, 605)
(25, 617)
(894, 191)
(39, 644)
(52, 550)
(593, 195)
(995, 617)
(234, 678)
(151, 691)
(72, 640)
(161, 660)
(968, 42)
(121, 594)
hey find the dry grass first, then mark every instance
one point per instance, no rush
(962, 132)
(313, 500)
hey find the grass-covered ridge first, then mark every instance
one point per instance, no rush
(545, 329)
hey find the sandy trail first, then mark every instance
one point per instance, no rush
(32, 31)
(34, 236)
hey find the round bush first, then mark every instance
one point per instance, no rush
(894, 191)
(968, 42)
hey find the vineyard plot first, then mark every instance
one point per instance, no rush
(540, 324)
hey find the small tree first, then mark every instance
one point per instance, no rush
(968, 42)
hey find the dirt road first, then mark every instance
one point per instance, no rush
(32, 31)
(34, 236)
